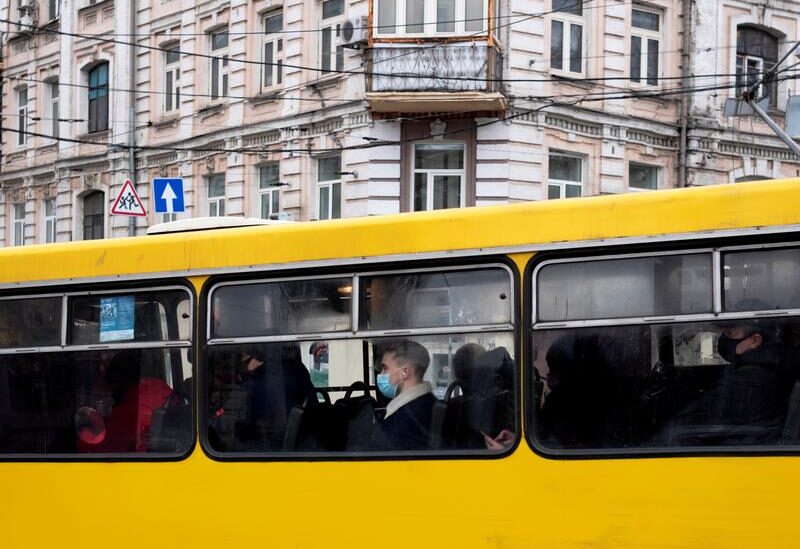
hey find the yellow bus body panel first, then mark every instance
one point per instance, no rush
(523, 500)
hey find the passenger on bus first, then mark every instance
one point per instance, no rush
(488, 381)
(135, 398)
(747, 403)
(406, 425)
(272, 379)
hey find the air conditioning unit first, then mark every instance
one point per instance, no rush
(355, 32)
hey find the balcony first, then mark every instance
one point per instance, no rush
(436, 77)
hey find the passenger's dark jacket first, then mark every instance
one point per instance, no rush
(408, 428)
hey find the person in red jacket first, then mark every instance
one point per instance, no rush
(127, 428)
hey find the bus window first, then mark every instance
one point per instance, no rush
(425, 300)
(625, 288)
(116, 382)
(30, 322)
(289, 307)
(766, 276)
(616, 381)
(369, 393)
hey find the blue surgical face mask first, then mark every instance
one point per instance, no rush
(385, 386)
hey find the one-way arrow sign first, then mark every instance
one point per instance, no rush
(168, 195)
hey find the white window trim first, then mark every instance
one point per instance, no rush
(429, 25)
(215, 201)
(49, 222)
(744, 75)
(173, 68)
(223, 82)
(53, 107)
(462, 173)
(658, 169)
(335, 24)
(278, 49)
(566, 20)
(22, 116)
(645, 35)
(17, 225)
(330, 183)
(270, 195)
(562, 184)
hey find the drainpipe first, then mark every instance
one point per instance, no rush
(132, 111)
(686, 62)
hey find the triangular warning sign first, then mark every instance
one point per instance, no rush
(128, 202)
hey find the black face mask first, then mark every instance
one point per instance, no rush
(726, 347)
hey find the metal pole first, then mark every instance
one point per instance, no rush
(132, 112)
(778, 131)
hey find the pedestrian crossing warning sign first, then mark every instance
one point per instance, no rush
(128, 202)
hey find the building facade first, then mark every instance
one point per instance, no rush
(341, 108)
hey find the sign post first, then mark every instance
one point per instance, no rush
(128, 202)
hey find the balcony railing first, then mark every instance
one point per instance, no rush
(440, 67)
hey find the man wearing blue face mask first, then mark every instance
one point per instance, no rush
(747, 403)
(406, 425)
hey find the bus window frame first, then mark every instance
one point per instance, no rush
(716, 247)
(124, 284)
(404, 267)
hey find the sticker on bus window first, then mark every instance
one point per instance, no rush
(116, 318)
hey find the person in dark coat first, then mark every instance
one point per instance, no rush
(407, 423)
(747, 403)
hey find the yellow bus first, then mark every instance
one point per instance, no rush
(618, 371)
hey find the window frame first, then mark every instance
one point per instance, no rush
(272, 73)
(52, 97)
(172, 79)
(217, 202)
(268, 196)
(658, 172)
(716, 249)
(49, 222)
(219, 64)
(331, 185)
(562, 184)
(433, 173)
(90, 288)
(22, 115)
(429, 25)
(17, 224)
(568, 20)
(646, 36)
(333, 27)
(98, 99)
(243, 278)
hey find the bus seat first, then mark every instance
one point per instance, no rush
(447, 418)
(791, 425)
(306, 424)
(171, 427)
(355, 416)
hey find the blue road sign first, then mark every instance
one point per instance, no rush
(168, 195)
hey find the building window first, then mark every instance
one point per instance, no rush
(93, 215)
(566, 36)
(645, 44)
(440, 17)
(329, 187)
(272, 50)
(268, 195)
(172, 78)
(332, 55)
(565, 176)
(438, 176)
(52, 9)
(22, 115)
(219, 64)
(216, 195)
(18, 225)
(169, 217)
(49, 219)
(642, 177)
(756, 53)
(52, 106)
(98, 98)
